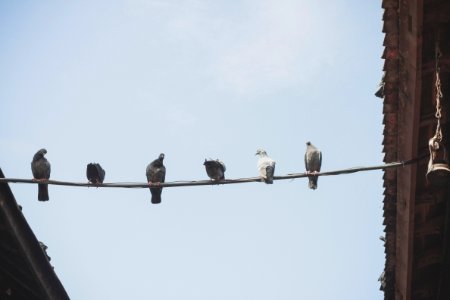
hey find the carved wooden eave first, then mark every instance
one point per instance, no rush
(416, 214)
(25, 271)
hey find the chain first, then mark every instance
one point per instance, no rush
(438, 106)
(438, 135)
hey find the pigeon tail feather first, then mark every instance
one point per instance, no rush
(313, 182)
(43, 192)
(270, 170)
(156, 195)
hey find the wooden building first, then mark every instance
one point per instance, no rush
(25, 270)
(416, 211)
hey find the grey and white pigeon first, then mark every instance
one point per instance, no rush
(156, 173)
(95, 173)
(215, 169)
(313, 162)
(40, 167)
(266, 166)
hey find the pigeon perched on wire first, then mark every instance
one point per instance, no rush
(40, 167)
(95, 173)
(266, 166)
(215, 169)
(156, 173)
(313, 162)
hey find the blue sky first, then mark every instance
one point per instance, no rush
(118, 83)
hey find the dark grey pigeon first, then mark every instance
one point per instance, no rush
(313, 162)
(266, 166)
(44, 248)
(156, 173)
(40, 167)
(95, 173)
(215, 169)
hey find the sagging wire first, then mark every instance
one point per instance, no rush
(211, 182)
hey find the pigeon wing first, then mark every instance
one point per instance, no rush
(215, 169)
(95, 173)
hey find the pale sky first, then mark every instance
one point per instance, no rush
(119, 83)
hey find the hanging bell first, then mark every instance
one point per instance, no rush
(438, 169)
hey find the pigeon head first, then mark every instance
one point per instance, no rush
(161, 157)
(261, 152)
(40, 154)
(308, 143)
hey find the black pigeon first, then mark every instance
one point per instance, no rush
(40, 167)
(156, 173)
(95, 173)
(215, 169)
(313, 162)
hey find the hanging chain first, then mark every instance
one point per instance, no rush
(438, 107)
(438, 135)
(438, 153)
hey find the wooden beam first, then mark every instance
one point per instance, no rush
(440, 12)
(410, 14)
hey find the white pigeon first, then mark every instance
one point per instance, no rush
(266, 166)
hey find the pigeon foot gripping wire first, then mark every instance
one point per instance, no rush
(40, 180)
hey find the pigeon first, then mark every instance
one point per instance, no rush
(266, 166)
(40, 167)
(44, 249)
(382, 280)
(95, 173)
(156, 173)
(381, 88)
(313, 161)
(215, 169)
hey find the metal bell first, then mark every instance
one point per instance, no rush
(438, 169)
